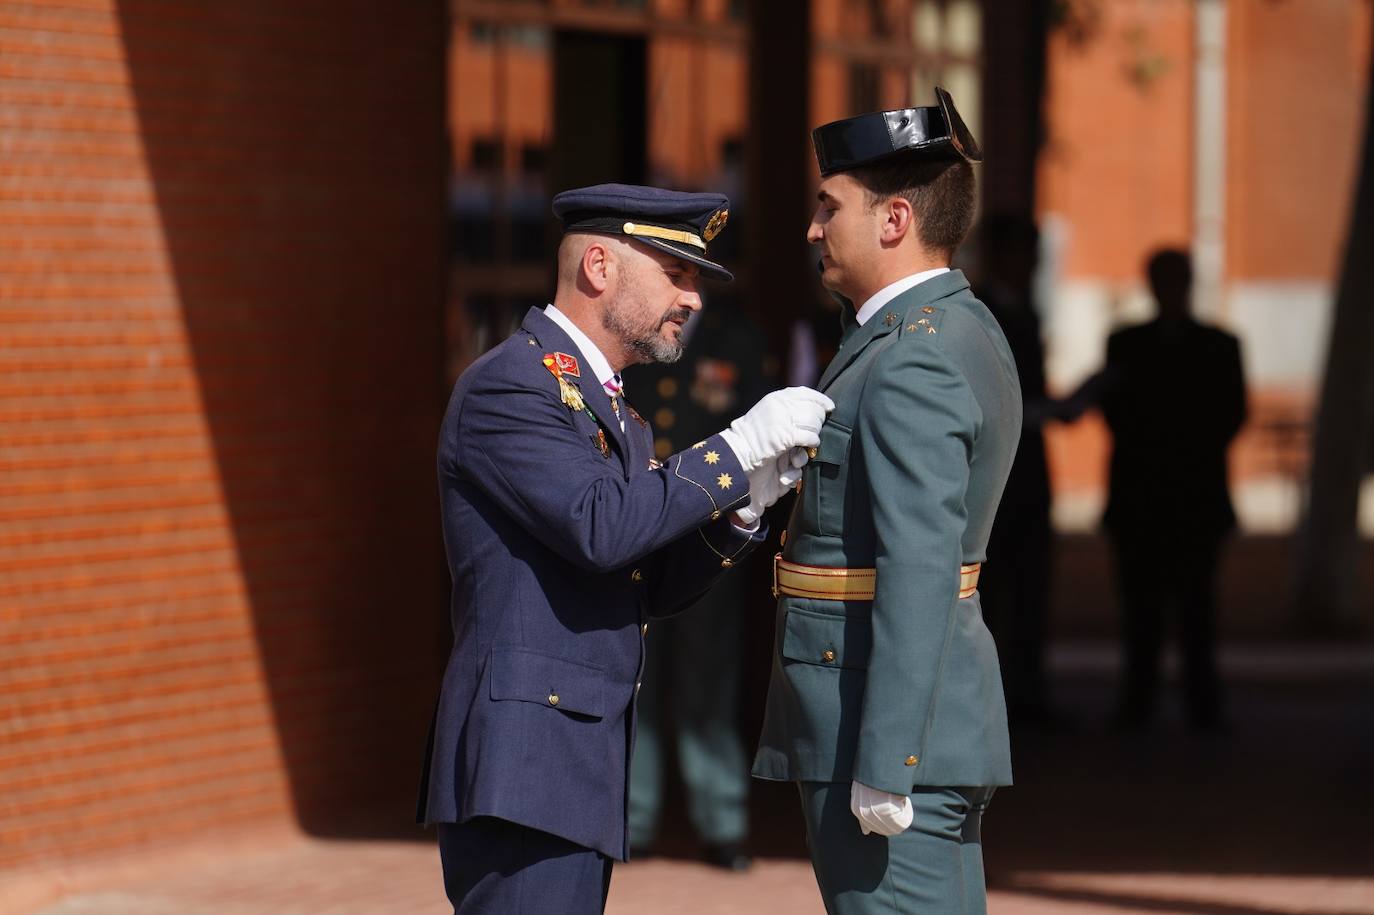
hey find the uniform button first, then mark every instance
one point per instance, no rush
(929, 310)
(726, 563)
(644, 630)
(553, 699)
(715, 516)
(912, 760)
(636, 575)
(828, 655)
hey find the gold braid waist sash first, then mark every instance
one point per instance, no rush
(827, 583)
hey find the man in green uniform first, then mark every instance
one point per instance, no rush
(886, 704)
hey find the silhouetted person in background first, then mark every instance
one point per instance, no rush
(1015, 582)
(1174, 397)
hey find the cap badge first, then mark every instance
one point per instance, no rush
(717, 223)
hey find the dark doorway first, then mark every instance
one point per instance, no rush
(599, 109)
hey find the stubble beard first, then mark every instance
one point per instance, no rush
(642, 340)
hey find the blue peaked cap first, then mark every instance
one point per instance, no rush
(680, 223)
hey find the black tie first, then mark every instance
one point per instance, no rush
(849, 323)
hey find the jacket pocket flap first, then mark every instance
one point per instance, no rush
(531, 676)
(834, 446)
(829, 641)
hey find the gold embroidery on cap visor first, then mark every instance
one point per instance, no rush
(687, 238)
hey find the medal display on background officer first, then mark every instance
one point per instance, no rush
(885, 704)
(689, 708)
(565, 535)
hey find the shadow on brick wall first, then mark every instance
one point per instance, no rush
(299, 164)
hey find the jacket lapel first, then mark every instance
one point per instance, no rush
(888, 318)
(553, 339)
(640, 442)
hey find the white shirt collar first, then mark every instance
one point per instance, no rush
(596, 362)
(892, 290)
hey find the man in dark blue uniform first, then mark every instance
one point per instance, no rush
(564, 535)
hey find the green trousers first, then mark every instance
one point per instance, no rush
(692, 676)
(935, 867)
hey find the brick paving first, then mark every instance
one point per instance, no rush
(1273, 819)
(366, 877)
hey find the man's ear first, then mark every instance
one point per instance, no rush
(598, 266)
(898, 220)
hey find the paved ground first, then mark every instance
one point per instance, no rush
(1275, 818)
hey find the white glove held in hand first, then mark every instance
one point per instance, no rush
(768, 483)
(880, 812)
(781, 420)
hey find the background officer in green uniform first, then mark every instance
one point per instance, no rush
(690, 700)
(885, 703)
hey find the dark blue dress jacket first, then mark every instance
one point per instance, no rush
(561, 545)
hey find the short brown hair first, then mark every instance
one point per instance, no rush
(942, 194)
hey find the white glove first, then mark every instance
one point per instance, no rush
(880, 812)
(768, 483)
(781, 420)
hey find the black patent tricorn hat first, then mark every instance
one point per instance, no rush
(931, 132)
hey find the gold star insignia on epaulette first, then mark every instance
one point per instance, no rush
(724, 481)
(699, 445)
(930, 329)
(712, 457)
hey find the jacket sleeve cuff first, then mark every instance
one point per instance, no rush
(712, 467)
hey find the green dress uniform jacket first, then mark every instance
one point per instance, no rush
(902, 690)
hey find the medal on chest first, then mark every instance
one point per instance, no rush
(564, 368)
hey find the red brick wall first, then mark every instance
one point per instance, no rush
(221, 592)
(1117, 164)
(1296, 81)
